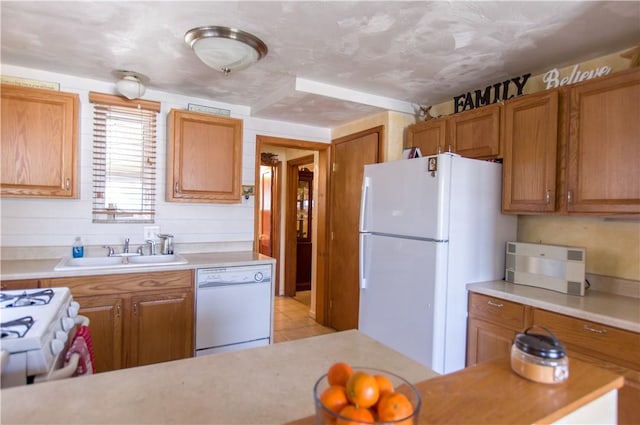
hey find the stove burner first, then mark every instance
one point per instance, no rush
(27, 299)
(16, 328)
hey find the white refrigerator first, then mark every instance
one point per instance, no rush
(428, 226)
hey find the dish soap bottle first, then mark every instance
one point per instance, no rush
(78, 248)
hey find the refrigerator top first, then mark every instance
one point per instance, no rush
(407, 198)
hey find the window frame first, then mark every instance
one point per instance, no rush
(122, 112)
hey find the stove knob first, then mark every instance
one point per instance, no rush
(73, 309)
(62, 336)
(67, 323)
(56, 346)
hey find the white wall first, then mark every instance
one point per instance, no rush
(54, 223)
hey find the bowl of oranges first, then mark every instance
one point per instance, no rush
(361, 395)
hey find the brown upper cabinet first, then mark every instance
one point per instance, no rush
(530, 136)
(430, 136)
(603, 155)
(39, 143)
(476, 133)
(574, 151)
(204, 157)
(472, 134)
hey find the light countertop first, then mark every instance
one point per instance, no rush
(265, 385)
(274, 385)
(602, 307)
(44, 269)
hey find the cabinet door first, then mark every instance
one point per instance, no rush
(486, 341)
(161, 327)
(105, 316)
(38, 143)
(204, 158)
(476, 133)
(429, 136)
(603, 175)
(530, 146)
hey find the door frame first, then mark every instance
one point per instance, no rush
(320, 208)
(290, 237)
(276, 176)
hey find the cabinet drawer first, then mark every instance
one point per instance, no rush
(125, 283)
(613, 344)
(497, 310)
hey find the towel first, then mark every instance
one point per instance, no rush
(83, 346)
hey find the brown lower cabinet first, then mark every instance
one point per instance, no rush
(493, 322)
(136, 319)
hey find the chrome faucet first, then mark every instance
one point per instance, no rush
(152, 249)
(126, 246)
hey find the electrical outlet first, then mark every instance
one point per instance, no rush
(151, 232)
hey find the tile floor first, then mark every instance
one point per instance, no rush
(292, 321)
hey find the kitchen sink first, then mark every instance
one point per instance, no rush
(85, 263)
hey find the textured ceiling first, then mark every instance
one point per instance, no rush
(328, 62)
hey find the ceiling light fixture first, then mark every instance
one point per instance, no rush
(130, 85)
(225, 49)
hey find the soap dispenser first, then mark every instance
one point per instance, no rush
(78, 248)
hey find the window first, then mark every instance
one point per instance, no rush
(124, 159)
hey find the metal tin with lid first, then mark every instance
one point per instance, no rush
(539, 357)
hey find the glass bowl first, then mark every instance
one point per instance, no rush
(324, 415)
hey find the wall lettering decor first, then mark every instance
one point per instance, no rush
(491, 94)
(553, 80)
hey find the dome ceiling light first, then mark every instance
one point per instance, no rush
(130, 85)
(225, 49)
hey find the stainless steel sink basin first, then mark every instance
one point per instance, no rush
(85, 263)
(158, 259)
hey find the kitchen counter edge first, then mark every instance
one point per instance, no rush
(597, 306)
(44, 268)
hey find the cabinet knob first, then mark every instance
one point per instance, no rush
(548, 196)
(569, 196)
(176, 188)
(118, 311)
(67, 184)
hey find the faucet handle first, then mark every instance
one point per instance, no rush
(110, 252)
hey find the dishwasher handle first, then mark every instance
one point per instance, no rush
(220, 284)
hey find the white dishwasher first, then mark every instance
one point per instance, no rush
(234, 308)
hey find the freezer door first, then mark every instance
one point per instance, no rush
(406, 198)
(399, 293)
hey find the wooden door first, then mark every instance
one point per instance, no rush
(530, 146)
(105, 316)
(161, 327)
(476, 133)
(603, 175)
(487, 341)
(429, 136)
(11, 285)
(350, 155)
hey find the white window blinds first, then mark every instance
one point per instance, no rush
(124, 159)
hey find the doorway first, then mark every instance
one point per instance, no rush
(286, 237)
(300, 195)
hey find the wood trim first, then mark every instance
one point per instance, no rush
(320, 208)
(110, 99)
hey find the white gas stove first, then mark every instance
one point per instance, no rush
(35, 326)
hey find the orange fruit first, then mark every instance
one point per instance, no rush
(384, 384)
(362, 389)
(356, 415)
(393, 407)
(334, 398)
(339, 373)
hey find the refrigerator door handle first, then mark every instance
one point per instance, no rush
(363, 202)
(362, 262)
